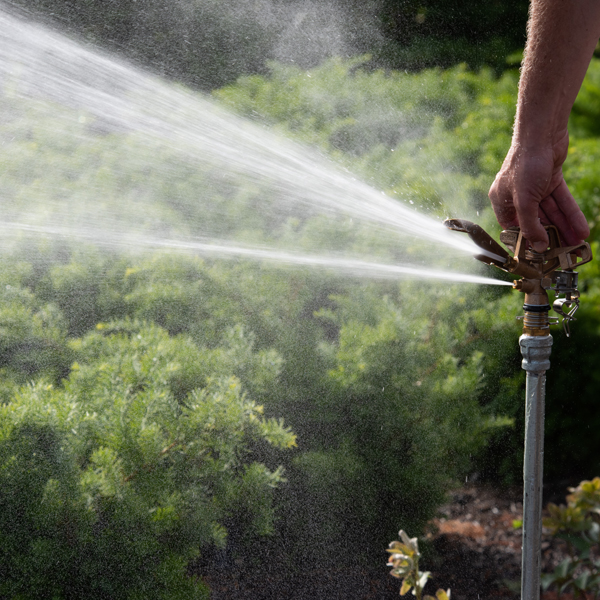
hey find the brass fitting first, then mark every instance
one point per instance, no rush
(540, 272)
(536, 320)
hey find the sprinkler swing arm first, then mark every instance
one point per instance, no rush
(540, 272)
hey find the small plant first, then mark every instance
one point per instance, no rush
(404, 561)
(578, 523)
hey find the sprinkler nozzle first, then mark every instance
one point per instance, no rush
(549, 270)
(494, 253)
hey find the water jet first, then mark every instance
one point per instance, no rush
(180, 135)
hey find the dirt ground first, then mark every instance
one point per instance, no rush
(476, 553)
(479, 547)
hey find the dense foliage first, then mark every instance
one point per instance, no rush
(125, 375)
(113, 480)
(437, 140)
(349, 368)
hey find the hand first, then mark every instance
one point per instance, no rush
(530, 191)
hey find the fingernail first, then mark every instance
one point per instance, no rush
(540, 246)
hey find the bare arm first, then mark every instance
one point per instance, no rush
(529, 189)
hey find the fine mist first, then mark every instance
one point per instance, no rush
(209, 43)
(143, 162)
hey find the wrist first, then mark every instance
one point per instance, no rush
(531, 135)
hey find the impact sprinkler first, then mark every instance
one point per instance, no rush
(540, 272)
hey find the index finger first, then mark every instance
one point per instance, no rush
(503, 206)
(530, 224)
(570, 211)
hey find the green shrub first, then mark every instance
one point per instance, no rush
(577, 523)
(434, 139)
(110, 484)
(403, 409)
(452, 129)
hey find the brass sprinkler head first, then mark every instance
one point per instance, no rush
(540, 272)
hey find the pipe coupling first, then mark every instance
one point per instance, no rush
(536, 352)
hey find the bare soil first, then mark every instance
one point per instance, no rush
(478, 545)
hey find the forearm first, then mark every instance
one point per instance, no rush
(529, 190)
(562, 35)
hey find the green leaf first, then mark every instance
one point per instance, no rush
(594, 584)
(578, 542)
(563, 568)
(582, 581)
(594, 532)
(547, 580)
(565, 586)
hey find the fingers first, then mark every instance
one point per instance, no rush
(552, 215)
(503, 206)
(571, 211)
(511, 213)
(530, 223)
(561, 210)
(506, 215)
(529, 191)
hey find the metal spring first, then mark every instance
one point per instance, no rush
(536, 320)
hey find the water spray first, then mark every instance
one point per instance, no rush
(540, 272)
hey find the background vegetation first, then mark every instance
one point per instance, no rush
(143, 394)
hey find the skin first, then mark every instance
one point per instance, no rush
(529, 190)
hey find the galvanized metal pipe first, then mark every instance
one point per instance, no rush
(536, 354)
